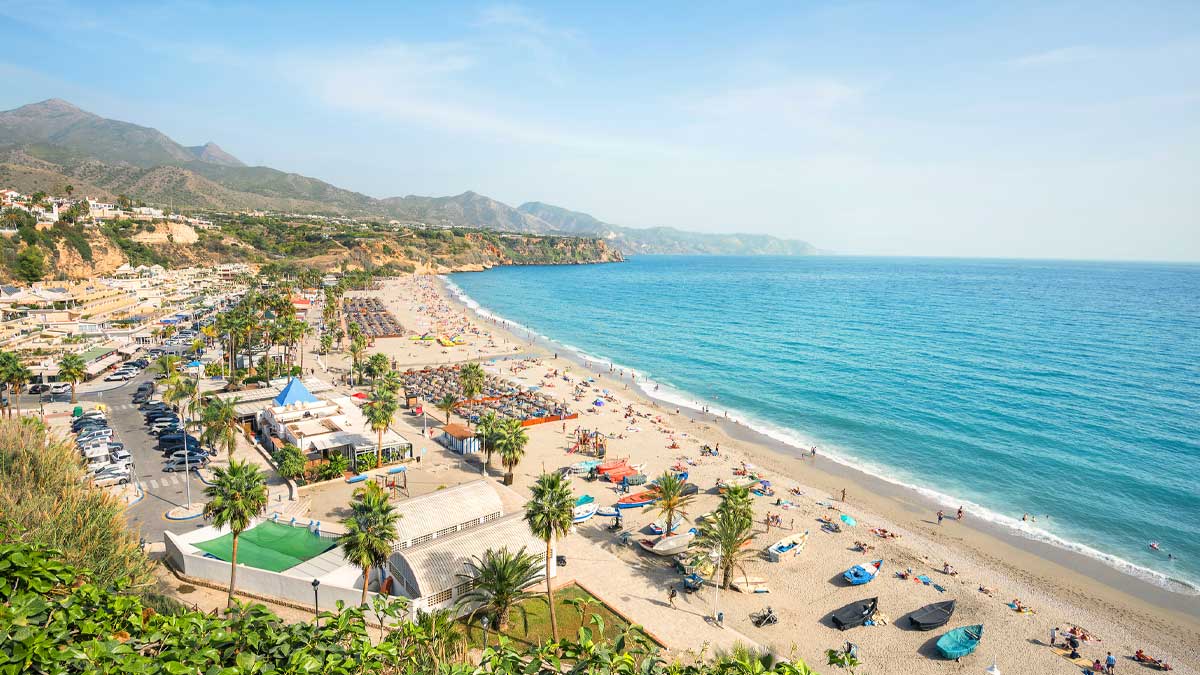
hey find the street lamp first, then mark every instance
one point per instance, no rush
(316, 606)
(715, 556)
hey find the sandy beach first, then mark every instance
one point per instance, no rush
(1063, 589)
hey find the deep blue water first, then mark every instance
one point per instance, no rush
(1063, 389)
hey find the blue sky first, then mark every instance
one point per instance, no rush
(979, 129)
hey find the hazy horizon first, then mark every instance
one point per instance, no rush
(1042, 131)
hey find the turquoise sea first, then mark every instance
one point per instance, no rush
(1069, 390)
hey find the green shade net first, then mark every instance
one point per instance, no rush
(269, 546)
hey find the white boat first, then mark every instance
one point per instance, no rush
(792, 544)
(676, 543)
(584, 511)
(658, 526)
(749, 584)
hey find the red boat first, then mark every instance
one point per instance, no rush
(638, 499)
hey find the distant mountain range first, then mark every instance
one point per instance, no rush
(47, 145)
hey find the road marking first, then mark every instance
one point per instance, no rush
(153, 484)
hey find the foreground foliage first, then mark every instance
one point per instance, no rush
(44, 494)
(53, 619)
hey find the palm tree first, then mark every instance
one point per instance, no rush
(500, 579)
(726, 533)
(237, 495)
(392, 381)
(166, 364)
(488, 431)
(447, 404)
(370, 532)
(15, 374)
(511, 445)
(737, 499)
(71, 368)
(358, 344)
(671, 498)
(300, 332)
(379, 410)
(471, 378)
(326, 343)
(550, 513)
(219, 419)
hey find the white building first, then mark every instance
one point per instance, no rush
(322, 427)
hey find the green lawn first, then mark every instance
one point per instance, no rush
(534, 626)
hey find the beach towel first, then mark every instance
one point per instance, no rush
(939, 588)
(924, 579)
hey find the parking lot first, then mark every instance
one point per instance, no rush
(162, 491)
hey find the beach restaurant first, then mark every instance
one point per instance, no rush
(326, 427)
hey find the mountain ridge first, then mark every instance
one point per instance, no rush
(53, 143)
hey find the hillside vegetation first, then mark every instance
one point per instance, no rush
(71, 251)
(53, 143)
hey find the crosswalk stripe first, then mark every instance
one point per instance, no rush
(153, 484)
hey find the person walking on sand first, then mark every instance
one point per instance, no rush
(941, 515)
(1053, 635)
(671, 594)
(960, 513)
(1110, 664)
(843, 494)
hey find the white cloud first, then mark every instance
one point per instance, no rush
(1054, 57)
(429, 85)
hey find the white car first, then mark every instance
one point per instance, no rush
(119, 377)
(60, 388)
(109, 477)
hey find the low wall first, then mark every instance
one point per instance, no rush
(255, 581)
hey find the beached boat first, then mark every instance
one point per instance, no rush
(677, 543)
(749, 584)
(855, 613)
(861, 574)
(584, 466)
(638, 499)
(657, 526)
(585, 507)
(608, 511)
(722, 486)
(611, 465)
(932, 616)
(792, 544)
(960, 641)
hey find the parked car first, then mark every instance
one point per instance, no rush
(179, 465)
(89, 424)
(193, 456)
(60, 388)
(160, 414)
(100, 432)
(119, 377)
(111, 477)
(38, 388)
(120, 455)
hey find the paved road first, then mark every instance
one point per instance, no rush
(163, 491)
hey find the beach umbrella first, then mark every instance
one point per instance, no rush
(849, 520)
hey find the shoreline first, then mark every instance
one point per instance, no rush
(1076, 577)
(1186, 599)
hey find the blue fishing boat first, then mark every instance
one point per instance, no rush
(861, 574)
(960, 641)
